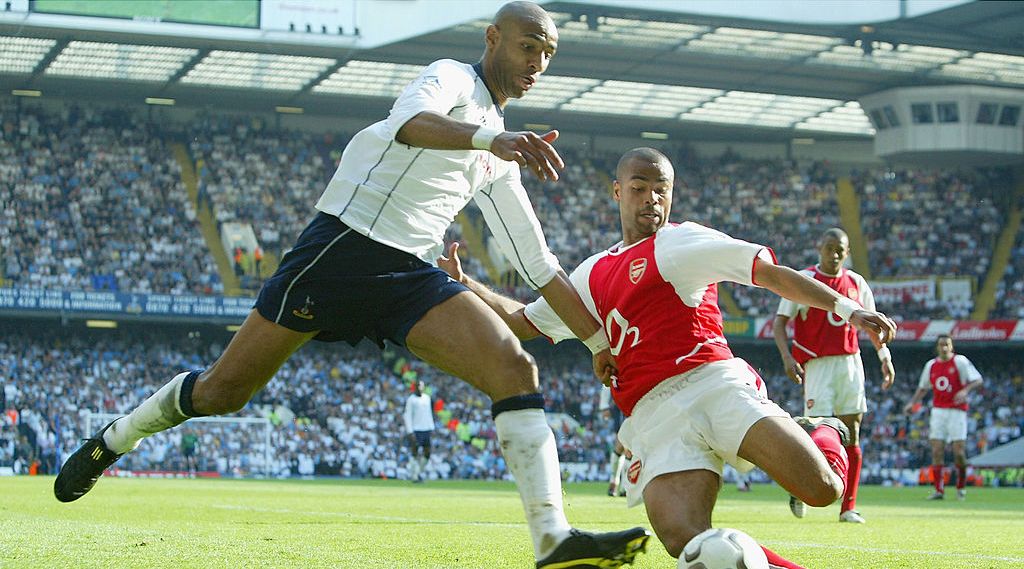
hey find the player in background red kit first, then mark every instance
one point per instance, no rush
(690, 405)
(950, 377)
(826, 359)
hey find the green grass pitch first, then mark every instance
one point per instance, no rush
(394, 524)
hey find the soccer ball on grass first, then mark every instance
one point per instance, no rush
(723, 548)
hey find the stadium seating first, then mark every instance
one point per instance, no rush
(337, 411)
(94, 201)
(915, 225)
(86, 182)
(1010, 294)
(252, 173)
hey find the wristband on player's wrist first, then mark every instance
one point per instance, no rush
(598, 342)
(845, 307)
(484, 136)
(883, 354)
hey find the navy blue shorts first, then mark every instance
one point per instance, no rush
(422, 438)
(349, 287)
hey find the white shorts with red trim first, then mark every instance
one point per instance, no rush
(948, 425)
(694, 421)
(834, 385)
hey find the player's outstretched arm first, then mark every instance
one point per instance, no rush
(790, 284)
(530, 150)
(508, 309)
(908, 409)
(563, 299)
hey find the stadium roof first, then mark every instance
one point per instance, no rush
(619, 69)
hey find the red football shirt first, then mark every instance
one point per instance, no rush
(947, 378)
(818, 333)
(658, 301)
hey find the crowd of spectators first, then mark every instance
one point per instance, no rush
(93, 200)
(269, 178)
(895, 445)
(932, 223)
(1010, 292)
(783, 204)
(337, 411)
(334, 410)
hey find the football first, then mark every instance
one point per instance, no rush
(723, 548)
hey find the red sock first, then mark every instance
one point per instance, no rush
(937, 478)
(961, 477)
(828, 442)
(852, 478)
(775, 561)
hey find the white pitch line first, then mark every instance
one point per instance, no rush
(352, 516)
(899, 551)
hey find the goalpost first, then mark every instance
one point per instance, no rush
(95, 420)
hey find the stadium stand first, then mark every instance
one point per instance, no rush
(261, 175)
(93, 201)
(84, 183)
(914, 223)
(1010, 294)
(336, 410)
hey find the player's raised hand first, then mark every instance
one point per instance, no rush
(530, 150)
(452, 264)
(878, 326)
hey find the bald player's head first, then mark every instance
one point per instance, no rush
(643, 188)
(521, 41)
(833, 248)
(833, 233)
(519, 11)
(643, 154)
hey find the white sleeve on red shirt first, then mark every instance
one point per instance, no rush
(926, 375)
(787, 307)
(968, 373)
(540, 314)
(513, 223)
(692, 257)
(441, 86)
(866, 297)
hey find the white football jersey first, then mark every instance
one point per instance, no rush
(418, 414)
(406, 197)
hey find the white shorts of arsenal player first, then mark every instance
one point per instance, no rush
(834, 385)
(948, 425)
(694, 421)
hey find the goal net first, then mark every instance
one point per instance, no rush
(204, 446)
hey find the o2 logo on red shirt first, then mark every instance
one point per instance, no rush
(616, 319)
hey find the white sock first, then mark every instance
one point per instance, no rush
(530, 453)
(158, 413)
(620, 465)
(613, 460)
(421, 466)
